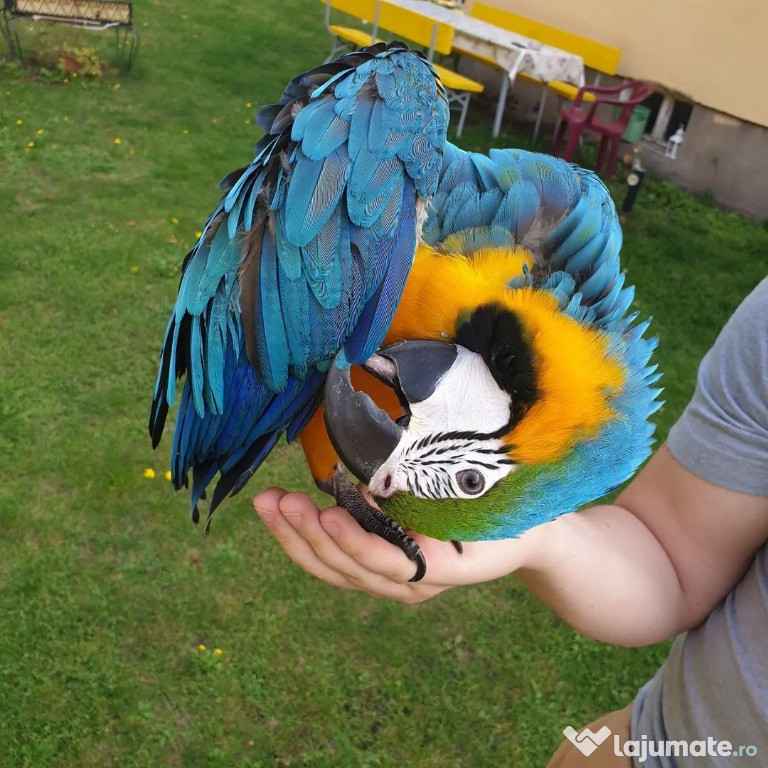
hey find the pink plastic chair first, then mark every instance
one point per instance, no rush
(583, 117)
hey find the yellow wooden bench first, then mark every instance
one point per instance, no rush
(602, 58)
(344, 37)
(403, 23)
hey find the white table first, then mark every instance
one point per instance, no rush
(512, 53)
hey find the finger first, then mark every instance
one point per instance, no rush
(267, 505)
(294, 507)
(302, 514)
(268, 500)
(370, 551)
(480, 560)
(445, 566)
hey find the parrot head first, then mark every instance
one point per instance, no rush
(448, 441)
(523, 413)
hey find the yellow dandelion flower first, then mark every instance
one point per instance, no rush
(247, 122)
(19, 122)
(218, 651)
(30, 145)
(174, 220)
(201, 647)
(185, 131)
(117, 140)
(134, 269)
(116, 86)
(149, 473)
(167, 474)
(65, 117)
(248, 104)
(198, 235)
(74, 74)
(39, 131)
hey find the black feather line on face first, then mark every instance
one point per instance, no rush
(497, 335)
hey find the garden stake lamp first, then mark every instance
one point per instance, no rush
(451, 326)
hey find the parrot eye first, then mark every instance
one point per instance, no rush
(470, 481)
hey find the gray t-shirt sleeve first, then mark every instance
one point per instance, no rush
(722, 435)
(714, 682)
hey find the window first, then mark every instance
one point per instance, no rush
(667, 115)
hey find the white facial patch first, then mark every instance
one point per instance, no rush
(467, 399)
(446, 445)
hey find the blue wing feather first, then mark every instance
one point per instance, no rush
(271, 341)
(375, 318)
(306, 255)
(313, 194)
(319, 129)
(288, 252)
(561, 213)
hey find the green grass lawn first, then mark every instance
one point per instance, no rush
(107, 592)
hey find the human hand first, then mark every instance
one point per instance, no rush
(330, 545)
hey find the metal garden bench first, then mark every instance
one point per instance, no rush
(97, 15)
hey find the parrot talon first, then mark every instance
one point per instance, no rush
(373, 520)
(458, 546)
(421, 565)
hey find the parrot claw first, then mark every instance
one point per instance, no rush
(458, 546)
(373, 520)
(421, 565)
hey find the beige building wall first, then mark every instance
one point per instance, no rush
(714, 52)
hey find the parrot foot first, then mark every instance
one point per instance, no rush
(373, 520)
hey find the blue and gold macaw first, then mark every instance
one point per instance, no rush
(452, 327)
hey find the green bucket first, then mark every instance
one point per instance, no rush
(637, 123)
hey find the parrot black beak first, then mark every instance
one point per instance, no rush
(363, 435)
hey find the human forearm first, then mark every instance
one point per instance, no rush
(605, 574)
(654, 564)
